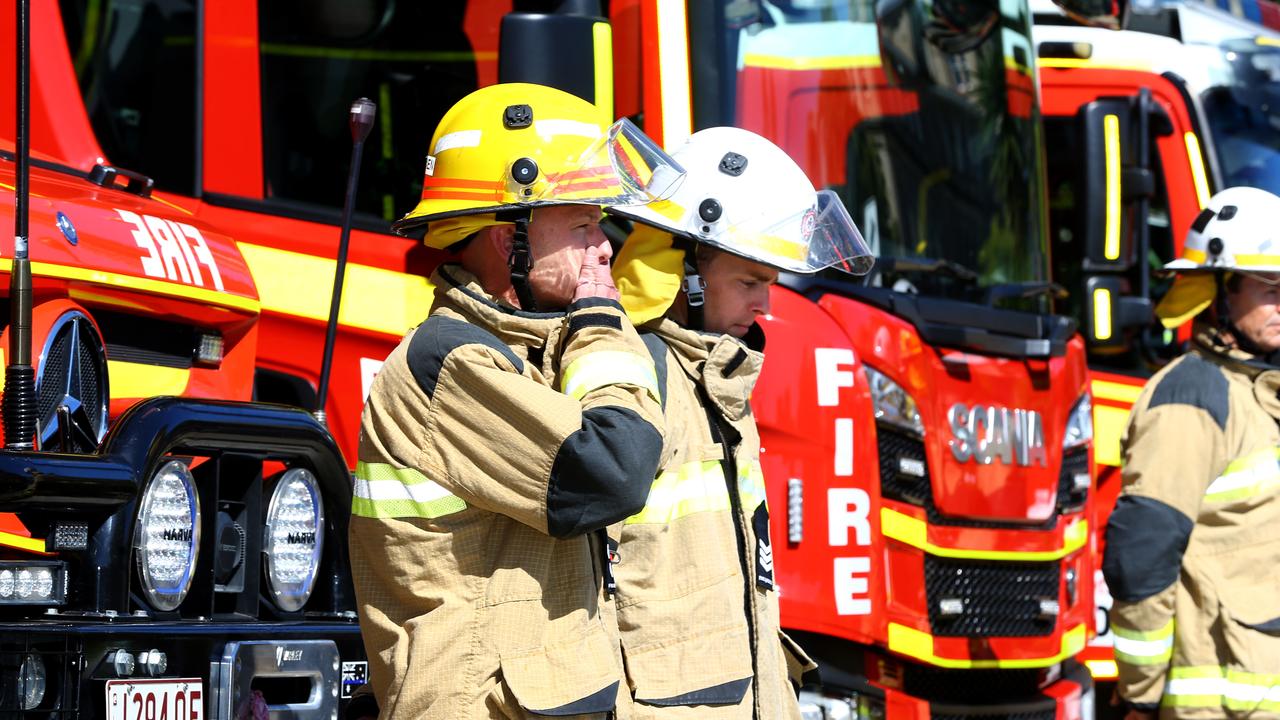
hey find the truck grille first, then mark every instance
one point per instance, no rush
(1000, 599)
(967, 687)
(1074, 462)
(899, 450)
(896, 450)
(1046, 714)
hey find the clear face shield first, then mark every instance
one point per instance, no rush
(622, 167)
(816, 238)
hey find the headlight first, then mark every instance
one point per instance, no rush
(1079, 424)
(893, 405)
(167, 539)
(294, 538)
(32, 681)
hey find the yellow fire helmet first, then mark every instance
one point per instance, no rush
(1236, 232)
(517, 146)
(742, 195)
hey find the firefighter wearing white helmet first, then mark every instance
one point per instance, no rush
(697, 606)
(1191, 550)
(510, 428)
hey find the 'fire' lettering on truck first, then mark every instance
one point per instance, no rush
(169, 249)
(847, 508)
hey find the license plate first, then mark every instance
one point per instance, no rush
(169, 699)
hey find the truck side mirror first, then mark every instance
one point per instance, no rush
(1109, 310)
(1118, 184)
(1116, 177)
(1110, 14)
(571, 51)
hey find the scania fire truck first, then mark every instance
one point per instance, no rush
(927, 436)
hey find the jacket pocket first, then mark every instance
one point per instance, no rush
(1251, 625)
(576, 677)
(801, 669)
(704, 668)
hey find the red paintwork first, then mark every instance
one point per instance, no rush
(232, 118)
(798, 441)
(813, 112)
(59, 124)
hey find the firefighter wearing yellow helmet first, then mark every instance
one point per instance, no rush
(697, 607)
(510, 428)
(1191, 549)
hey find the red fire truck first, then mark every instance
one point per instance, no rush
(1123, 192)
(927, 437)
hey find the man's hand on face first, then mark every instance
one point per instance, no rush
(595, 280)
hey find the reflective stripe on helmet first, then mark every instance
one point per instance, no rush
(385, 491)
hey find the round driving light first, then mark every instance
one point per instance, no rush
(167, 537)
(32, 681)
(294, 538)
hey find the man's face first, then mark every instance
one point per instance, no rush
(559, 236)
(737, 291)
(1255, 311)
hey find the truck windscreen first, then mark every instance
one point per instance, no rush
(1243, 110)
(921, 114)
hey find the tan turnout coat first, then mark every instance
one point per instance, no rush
(1193, 546)
(495, 447)
(696, 604)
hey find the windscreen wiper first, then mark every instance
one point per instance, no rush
(925, 265)
(1022, 291)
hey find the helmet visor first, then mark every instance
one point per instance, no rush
(819, 237)
(622, 167)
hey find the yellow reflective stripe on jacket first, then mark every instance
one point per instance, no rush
(693, 488)
(609, 367)
(751, 486)
(1246, 476)
(384, 491)
(1221, 687)
(1143, 648)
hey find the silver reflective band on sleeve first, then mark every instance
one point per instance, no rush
(609, 367)
(385, 491)
(1143, 648)
(1216, 687)
(692, 488)
(1246, 477)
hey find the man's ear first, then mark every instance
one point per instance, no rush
(500, 236)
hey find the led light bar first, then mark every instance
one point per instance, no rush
(35, 582)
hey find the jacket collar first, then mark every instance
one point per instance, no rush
(458, 290)
(1262, 373)
(724, 366)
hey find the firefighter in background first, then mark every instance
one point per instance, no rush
(512, 426)
(697, 607)
(1192, 549)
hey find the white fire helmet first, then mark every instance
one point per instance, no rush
(744, 195)
(1237, 232)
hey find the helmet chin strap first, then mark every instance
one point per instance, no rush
(694, 289)
(1222, 308)
(520, 261)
